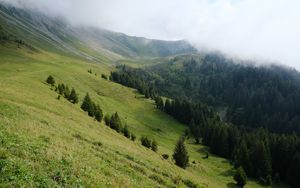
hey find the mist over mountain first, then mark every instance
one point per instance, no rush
(262, 31)
(62, 35)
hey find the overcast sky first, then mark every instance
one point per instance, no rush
(256, 29)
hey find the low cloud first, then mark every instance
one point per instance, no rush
(266, 30)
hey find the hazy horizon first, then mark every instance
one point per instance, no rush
(251, 29)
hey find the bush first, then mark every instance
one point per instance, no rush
(146, 142)
(240, 177)
(165, 156)
(50, 80)
(104, 76)
(133, 137)
(190, 184)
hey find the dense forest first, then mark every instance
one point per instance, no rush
(255, 97)
(252, 96)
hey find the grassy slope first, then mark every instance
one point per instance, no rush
(48, 141)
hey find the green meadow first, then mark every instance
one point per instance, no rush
(46, 142)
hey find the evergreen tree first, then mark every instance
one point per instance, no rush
(261, 159)
(67, 92)
(87, 103)
(61, 88)
(241, 157)
(115, 122)
(240, 177)
(73, 98)
(50, 80)
(168, 106)
(107, 119)
(154, 146)
(180, 154)
(126, 131)
(98, 113)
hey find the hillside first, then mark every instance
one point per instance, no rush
(46, 141)
(57, 35)
(262, 96)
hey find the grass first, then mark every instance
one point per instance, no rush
(45, 142)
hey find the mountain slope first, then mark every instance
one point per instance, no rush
(40, 30)
(45, 141)
(263, 96)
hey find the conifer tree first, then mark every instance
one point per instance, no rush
(168, 106)
(50, 80)
(73, 98)
(87, 103)
(240, 177)
(241, 157)
(98, 113)
(115, 122)
(67, 92)
(126, 131)
(180, 154)
(107, 119)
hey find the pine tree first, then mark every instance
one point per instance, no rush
(87, 103)
(98, 113)
(67, 92)
(168, 106)
(241, 157)
(115, 122)
(107, 119)
(61, 88)
(180, 154)
(73, 98)
(50, 80)
(240, 177)
(126, 131)
(260, 156)
(154, 146)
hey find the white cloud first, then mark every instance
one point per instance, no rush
(260, 29)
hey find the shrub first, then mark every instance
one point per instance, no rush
(165, 156)
(190, 184)
(146, 142)
(50, 80)
(104, 76)
(133, 137)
